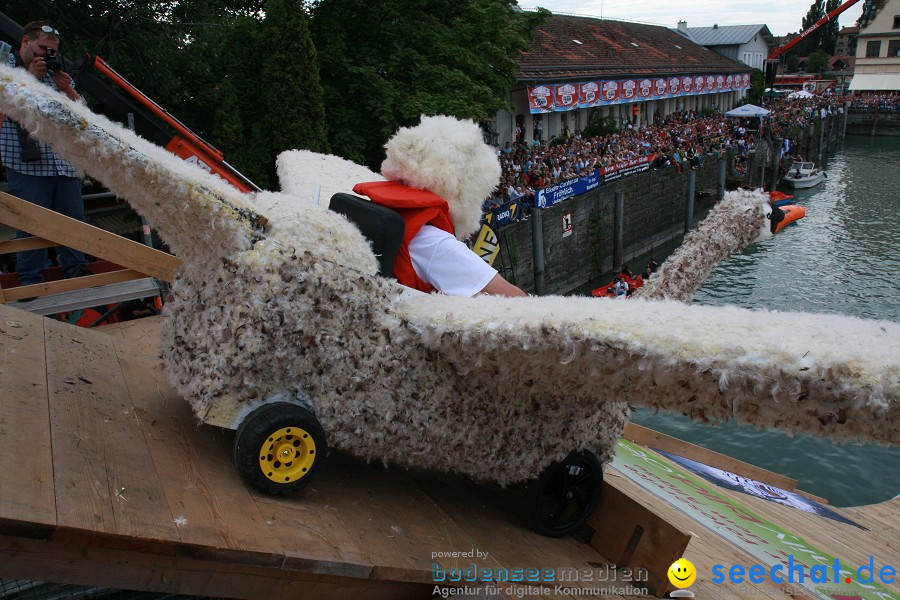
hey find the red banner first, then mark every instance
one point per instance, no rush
(540, 99)
(547, 98)
(588, 93)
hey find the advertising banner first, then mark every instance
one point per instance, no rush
(547, 197)
(552, 196)
(779, 556)
(625, 168)
(540, 99)
(504, 215)
(545, 98)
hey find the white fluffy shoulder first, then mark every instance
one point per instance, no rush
(300, 170)
(299, 224)
(446, 156)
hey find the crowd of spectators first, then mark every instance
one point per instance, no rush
(881, 100)
(680, 141)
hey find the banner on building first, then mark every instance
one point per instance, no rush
(558, 97)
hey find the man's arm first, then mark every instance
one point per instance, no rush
(501, 287)
(64, 83)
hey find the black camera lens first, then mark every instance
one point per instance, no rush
(53, 61)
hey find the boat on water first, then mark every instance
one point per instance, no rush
(803, 175)
(780, 198)
(609, 291)
(792, 214)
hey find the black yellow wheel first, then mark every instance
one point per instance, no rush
(279, 448)
(565, 494)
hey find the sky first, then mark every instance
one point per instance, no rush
(782, 16)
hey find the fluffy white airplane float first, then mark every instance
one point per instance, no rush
(280, 327)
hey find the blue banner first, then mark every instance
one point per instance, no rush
(504, 215)
(547, 197)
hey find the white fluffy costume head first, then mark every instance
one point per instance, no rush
(446, 156)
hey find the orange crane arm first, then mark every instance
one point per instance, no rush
(780, 50)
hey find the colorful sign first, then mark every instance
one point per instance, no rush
(783, 556)
(551, 196)
(745, 485)
(550, 97)
(567, 224)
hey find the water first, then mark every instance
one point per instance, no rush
(844, 257)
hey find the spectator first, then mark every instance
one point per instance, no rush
(34, 172)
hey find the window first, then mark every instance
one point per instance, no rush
(873, 49)
(894, 48)
(896, 22)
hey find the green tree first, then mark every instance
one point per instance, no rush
(384, 63)
(167, 48)
(830, 29)
(817, 62)
(757, 86)
(813, 40)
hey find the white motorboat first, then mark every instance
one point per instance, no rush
(803, 175)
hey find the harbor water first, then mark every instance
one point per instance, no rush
(844, 257)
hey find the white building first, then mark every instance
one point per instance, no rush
(749, 44)
(878, 51)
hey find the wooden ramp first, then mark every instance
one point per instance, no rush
(106, 479)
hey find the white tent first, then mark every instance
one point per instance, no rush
(800, 94)
(747, 110)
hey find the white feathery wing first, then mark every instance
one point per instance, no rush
(822, 374)
(183, 201)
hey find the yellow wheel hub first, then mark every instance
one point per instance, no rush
(287, 455)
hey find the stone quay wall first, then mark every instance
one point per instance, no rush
(579, 234)
(868, 121)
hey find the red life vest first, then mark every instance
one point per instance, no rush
(417, 208)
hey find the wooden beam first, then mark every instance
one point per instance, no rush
(27, 493)
(23, 244)
(69, 285)
(633, 536)
(654, 439)
(83, 564)
(66, 231)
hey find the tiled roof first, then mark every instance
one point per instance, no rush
(569, 47)
(729, 35)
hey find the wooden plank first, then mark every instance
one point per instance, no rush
(387, 517)
(631, 535)
(114, 293)
(494, 519)
(105, 480)
(705, 549)
(212, 509)
(27, 497)
(24, 244)
(69, 285)
(79, 564)
(654, 439)
(66, 231)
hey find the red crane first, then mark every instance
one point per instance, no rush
(780, 50)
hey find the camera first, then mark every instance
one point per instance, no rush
(53, 60)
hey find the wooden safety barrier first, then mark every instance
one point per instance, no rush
(53, 229)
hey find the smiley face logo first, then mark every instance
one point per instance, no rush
(682, 573)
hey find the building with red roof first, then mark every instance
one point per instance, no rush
(629, 71)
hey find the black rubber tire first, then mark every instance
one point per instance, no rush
(565, 494)
(255, 432)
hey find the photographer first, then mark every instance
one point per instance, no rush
(34, 171)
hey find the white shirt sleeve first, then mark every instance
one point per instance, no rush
(447, 264)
